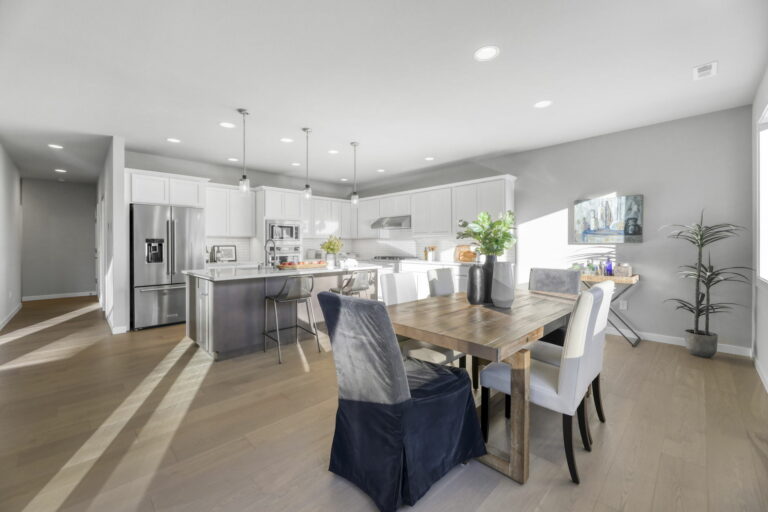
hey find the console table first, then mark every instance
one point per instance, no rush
(628, 283)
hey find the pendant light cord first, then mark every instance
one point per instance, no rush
(243, 112)
(306, 132)
(354, 166)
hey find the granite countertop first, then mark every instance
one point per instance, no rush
(444, 263)
(235, 273)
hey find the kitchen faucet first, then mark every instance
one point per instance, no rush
(268, 260)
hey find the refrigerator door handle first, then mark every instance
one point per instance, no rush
(168, 247)
(173, 245)
(160, 288)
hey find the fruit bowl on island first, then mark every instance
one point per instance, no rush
(293, 265)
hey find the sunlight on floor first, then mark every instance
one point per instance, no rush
(58, 350)
(26, 331)
(58, 489)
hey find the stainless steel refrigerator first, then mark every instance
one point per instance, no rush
(164, 241)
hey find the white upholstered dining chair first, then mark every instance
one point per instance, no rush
(559, 388)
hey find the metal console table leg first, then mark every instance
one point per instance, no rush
(620, 318)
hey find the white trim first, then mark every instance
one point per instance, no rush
(762, 374)
(119, 330)
(129, 171)
(10, 316)
(736, 350)
(506, 177)
(58, 296)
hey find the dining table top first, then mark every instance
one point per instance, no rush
(483, 331)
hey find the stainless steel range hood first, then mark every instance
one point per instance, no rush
(398, 222)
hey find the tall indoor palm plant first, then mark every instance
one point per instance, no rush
(702, 342)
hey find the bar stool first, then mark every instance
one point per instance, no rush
(360, 281)
(295, 289)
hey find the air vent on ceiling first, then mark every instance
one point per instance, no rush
(705, 71)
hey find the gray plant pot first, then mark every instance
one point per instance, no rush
(503, 287)
(702, 345)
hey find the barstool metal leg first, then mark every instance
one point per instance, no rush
(311, 313)
(277, 335)
(266, 323)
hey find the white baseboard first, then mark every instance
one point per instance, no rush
(679, 340)
(762, 374)
(58, 296)
(10, 316)
(119, 329)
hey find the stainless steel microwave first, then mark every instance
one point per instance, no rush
(288, 230)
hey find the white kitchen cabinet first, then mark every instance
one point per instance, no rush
(229, 212)
(326, 217)
(149, 189)
(216, 211)
(292, 205)
(493, 197)
(431, 212)
(348, 220)
(393, 206)
(367, 213)
(240, 213)
(187, 193)
(464, 204)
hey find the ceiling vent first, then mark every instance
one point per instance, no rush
(705, 71)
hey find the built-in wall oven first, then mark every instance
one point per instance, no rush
(284, 230)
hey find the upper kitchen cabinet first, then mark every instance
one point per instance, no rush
(367, 213)
(348, 220)
(495, 195)
(229, 212)
(326, 215)
(431, 212)
(395, 206)
(277, 204)
(149, 187)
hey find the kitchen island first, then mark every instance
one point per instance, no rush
(226, 306)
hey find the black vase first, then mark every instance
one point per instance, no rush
(490, 261)
(476, 285)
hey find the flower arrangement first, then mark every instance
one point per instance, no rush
(333, 245)
(492, 237)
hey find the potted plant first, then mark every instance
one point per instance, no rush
(703, 342)
(332, 247)
(492, 238)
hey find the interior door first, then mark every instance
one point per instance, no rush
(151, 228)
(188, 232)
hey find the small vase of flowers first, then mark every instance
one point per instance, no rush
(332, 248)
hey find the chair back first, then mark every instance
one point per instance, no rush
(555, 280)
(359, 281)
(575, 365)
(297, 287)
(399, 288)
(597, 346)
(369, 365)
(440, 282)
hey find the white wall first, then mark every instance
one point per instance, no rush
(759, 105)
(116, 274)
(10, 238)
(58, 239)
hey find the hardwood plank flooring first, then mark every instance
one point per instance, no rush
(144, 421)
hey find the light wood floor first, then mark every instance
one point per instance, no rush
(144, 421)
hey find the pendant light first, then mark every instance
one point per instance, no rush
(245, 183)
(307, 188)
(354, 198)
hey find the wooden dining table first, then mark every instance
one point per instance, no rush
(492, 334)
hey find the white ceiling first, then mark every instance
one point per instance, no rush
(396, 75)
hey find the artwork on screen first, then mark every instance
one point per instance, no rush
(608, 220)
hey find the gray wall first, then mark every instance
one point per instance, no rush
(681, 167)
(58, 238)
(229, 175)
(761, 287)
(10, 238)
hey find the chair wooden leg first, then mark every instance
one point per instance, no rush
(598, 398)
(463, 362)
(584, 427)
(568, 441)
(485, 396)
(507, 406)
(475, 372)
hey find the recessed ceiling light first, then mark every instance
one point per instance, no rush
(233, 159)
(296, 164)
(171, 139)
(333, 151)
(343, 179)
(62, 171)
(380, 170)
(543, 104)
(286, 139)
(55, 146)
(226, 124)
(487, 53)
(429, 158)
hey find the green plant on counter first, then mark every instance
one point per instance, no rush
(492, 237)
(333, 245)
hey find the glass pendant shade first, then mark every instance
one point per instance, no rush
(354, 198)
(245, 184)
(307, 191)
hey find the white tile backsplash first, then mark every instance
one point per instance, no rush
(243, 246)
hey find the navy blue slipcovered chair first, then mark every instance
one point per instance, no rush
(401, 423)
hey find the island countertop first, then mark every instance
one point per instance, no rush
(236, 274)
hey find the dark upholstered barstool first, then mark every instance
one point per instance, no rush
(360, 281)
(295, 289)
